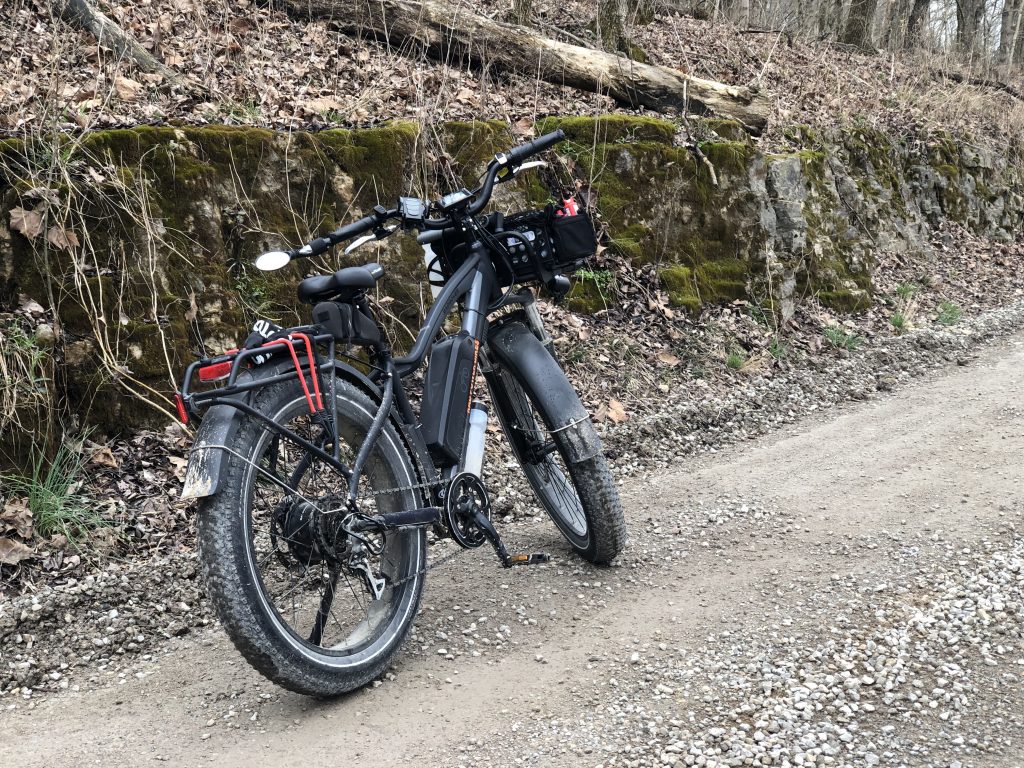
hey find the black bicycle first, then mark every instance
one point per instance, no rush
(318, 482)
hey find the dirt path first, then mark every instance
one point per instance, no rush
(751, 574)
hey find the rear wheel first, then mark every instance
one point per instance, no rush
(579, 496)
(309, 607)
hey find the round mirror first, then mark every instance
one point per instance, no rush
(271, 260)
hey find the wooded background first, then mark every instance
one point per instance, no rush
(987, 32)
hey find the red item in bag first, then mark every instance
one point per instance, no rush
(569, 207)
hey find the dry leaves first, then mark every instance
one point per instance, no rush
(28, 223)
(16, 517)
(613, 411)
(62, 238)
(13, 552)
(102, 456)
(127, 89)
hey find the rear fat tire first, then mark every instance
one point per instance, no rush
(226, 552)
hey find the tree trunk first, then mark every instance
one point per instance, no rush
(451, 34)
(1009, 29)
(896, 26)
(741, 13)
(522, 10)
(968, 23)
(81, 14)
(611, 24)
(858, 24)
(830, 18)
(916, 23)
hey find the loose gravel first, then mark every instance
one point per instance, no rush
(99, 629)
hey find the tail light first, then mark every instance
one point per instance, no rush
(179, 403)
(215, 371)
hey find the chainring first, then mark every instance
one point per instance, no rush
(464, 497)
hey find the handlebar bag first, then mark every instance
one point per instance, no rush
(573, 237)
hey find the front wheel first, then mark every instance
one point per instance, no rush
(578, 494)
(312, 609)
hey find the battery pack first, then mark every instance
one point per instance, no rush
(446, 392)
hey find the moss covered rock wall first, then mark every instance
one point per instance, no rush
(140, 241)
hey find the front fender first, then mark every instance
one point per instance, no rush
(528, 360)
(221, 422)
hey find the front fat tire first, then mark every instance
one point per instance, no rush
(236, 591)
(590, 478)
(600, 497)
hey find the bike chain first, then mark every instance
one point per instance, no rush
(429, 485)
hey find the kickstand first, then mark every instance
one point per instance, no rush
(484, 524)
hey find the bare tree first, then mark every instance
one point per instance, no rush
(1010, 31)
(611, 24)
(894, 23)
(917, 23)
(830, 17)
(857, 30)
(968, 23)
(521, 11)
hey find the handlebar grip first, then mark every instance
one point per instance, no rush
(364, 224)
(321, 244)
(518, 154)
(314, 247)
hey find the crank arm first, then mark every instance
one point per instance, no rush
(507, 560)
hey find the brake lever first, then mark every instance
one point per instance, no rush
(358, 242)
(378, 234)
(513, 171)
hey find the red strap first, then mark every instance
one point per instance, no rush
(312, 370)
(298, 370)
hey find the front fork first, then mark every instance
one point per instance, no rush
(535, 323)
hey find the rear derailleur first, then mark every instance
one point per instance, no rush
(313, 537)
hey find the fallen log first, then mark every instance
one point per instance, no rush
(454, 34)
(81, 14)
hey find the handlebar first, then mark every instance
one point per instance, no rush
(481, 196)
(514, 157)
(517, 155)
(365, 224)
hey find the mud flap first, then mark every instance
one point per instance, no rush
(209, 450)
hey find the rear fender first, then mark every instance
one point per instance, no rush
(221, 422)
(516, 348)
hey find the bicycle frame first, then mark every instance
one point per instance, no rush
(472, 285)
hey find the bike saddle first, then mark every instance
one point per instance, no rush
(345, 283)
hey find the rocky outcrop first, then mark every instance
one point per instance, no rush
(139, 241)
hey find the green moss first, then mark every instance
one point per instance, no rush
(586, 297)
(722, 280)
(730, 130)
(801, 135)
(680, 286)
(707, 282)
(629, 241)
(610, 129)
(378, 159)
(473, 144)
(846, 300)
(731, 156)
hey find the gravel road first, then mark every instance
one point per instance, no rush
(848, 591)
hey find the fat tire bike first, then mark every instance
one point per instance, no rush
(317, 480)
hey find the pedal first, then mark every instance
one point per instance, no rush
(535, 558)
(507, 560)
